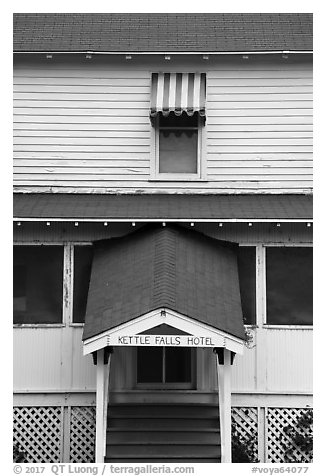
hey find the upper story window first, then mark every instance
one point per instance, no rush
(178, 112)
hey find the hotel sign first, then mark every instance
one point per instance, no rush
(166, 340)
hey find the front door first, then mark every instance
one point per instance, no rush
(165, 367)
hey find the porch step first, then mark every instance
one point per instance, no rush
(163, 432)
(160, 460)
(163, 437)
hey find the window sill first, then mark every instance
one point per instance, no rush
(177, 179)
(287, 326)
(31, 326)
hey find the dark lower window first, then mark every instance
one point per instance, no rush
(247, 279)
(38, 283)
(83, 256)
(163, 365)
(289, 285)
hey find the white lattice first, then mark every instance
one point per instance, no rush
(245, 426)
(37, 431)
(277, 420)
(82, 435)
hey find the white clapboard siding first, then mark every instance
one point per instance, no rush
(84, 125)
(276, 364)
(41, 356)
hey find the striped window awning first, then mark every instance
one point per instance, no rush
(178, 93)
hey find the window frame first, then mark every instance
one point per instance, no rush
(156, 175)
(192, 385)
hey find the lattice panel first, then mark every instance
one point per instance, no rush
(82, 435)
(38, 430)
(276, 420)
(245, 423)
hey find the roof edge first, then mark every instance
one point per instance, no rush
(168, 52)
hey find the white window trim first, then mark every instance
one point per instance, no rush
(200, 176)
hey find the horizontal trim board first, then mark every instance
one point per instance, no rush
(162, 53)
(88, 148)
(259, 89)
(64, 105)
(173, 187)
(106, 96)
(118, 173)
(303, 119)
(87, 141)
(258, 165)
(45, 112)
(163, 220)
(88, 170)
(104, 162)
(54, 121)
(79, 81)
(264, 131)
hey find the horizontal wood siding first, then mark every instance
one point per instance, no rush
(259, 125)
(84, 126)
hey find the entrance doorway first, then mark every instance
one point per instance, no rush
(166, 367)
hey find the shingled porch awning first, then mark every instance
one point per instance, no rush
(164, 268)
(162, 207)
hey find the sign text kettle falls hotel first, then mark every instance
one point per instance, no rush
(164, 340)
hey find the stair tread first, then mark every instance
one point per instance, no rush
(155, 443)
(156, 417)
(170, 459)
(166, 430)
(163, 404)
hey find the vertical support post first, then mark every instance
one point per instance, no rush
(223, 362)
(66, 434)
(106, 399)
(261, 435)
(260, 349)
(100, 392)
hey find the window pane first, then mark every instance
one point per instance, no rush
(149, 364)
(247, 278)
(177, 364)
(38, 281)
(83, 256)
(178, 151)
(289, 285)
